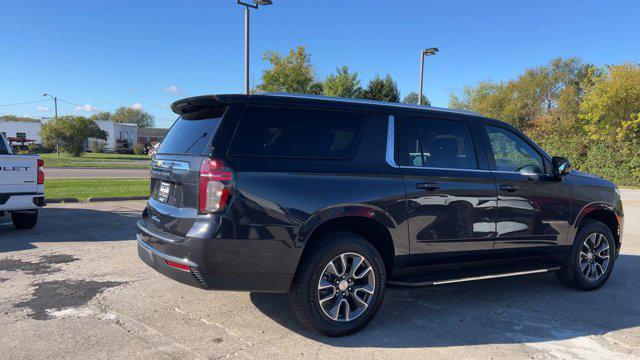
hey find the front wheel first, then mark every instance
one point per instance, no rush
(339, 287)
(24, 219)
(592, 257)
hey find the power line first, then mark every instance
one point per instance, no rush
(23, 103)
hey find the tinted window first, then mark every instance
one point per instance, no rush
(3, 147)
(439, 144)
(301, 133)
(512, 153)
(192, 133)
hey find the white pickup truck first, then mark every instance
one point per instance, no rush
(21, 186)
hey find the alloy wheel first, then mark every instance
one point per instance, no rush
(346, 287)
(594, 256)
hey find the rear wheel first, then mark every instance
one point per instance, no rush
(592, 257)
(24, 219)
(339, 287)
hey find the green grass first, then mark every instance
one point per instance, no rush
(83, 189)
(97, 160)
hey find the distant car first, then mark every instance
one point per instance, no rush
(21, 186)
(330, 199)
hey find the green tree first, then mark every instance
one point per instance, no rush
(611, 106)
(412, 98)
(537, 92)
(292, 74)
(382, 89)
(132, 116)
(70, 133)
(102, 115)
(17, 118)
(342, 84)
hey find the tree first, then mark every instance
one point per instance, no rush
(102, 115)
(611, 106)
(343, 84)
(132, 116)
(412, 98)
(538, 92)
(70, 133)
(382, 89)
(17, 118)
(292, 73)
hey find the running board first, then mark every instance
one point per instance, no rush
(472, 278)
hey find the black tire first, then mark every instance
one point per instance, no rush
(571, 274)
(305, 296)
(24, 219)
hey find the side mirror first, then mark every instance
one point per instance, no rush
(561, 166)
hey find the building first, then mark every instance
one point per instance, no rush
(151, 136)
(119, 135)
(22, 128)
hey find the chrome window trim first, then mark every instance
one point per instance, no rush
(170, 164)
(442, 168)
(391, 144)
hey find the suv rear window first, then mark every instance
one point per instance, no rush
(192, 133)
(296, 133)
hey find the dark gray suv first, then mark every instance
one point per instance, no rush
(331, 199)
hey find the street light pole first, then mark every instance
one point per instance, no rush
(423, 53)
(255, 5)
(246, 49)
(55, 104)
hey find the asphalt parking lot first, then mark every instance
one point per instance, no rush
(73, 287)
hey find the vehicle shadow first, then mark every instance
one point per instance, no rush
(70, 224)
(528, 309)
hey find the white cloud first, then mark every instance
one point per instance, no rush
(172, 89)
(136, 106)
(42, 109)
(85, 107)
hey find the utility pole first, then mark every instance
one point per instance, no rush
(55, 116)
(423, 53)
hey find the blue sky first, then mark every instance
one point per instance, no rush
(105, 54)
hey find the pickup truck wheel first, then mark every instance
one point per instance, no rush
(591, 260)
(24, 219)
(339, 287)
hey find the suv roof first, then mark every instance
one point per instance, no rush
(194, 103)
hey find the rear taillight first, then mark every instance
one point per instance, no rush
(40, 172)
(215, 185)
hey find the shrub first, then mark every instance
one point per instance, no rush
(98, 146)
(138, 149)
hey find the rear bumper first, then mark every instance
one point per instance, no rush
(156, 249)
(21, 201)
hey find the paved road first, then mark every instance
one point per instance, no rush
(56, 173)
(74, 288)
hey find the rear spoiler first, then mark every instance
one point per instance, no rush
(199, 103)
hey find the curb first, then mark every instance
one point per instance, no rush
(117, 198)
(94, 199)
(61, 200)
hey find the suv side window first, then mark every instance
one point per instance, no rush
(439, 143)
(296, 133)
(511, 153)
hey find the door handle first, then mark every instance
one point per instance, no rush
(428, 186)
(509, 188)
